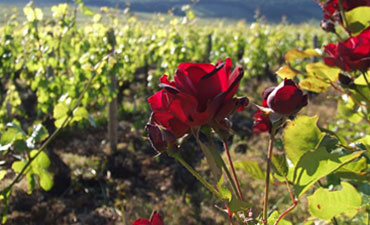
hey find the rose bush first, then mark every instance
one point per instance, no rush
(352, 54)
(200, 94)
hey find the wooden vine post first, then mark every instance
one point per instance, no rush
(112, 105)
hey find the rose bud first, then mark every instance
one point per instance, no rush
(155, 219)
(160, 138)
(262, 123)
(287, 98)
(345, 80)
(327, 26)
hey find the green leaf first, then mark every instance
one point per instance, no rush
(224, 191)
(348, 110)
(60, 113)
(356, 170)
(80, 113)
(17, 127)
(314, 165)
(325, 204)
(9, 137)
(46, 180)
(321, 70)
(294, 54)
(313, 84)
(365, 141)
(17, 166)
(274, 216)
(237, 205)
(301, 136)
(358, 19)
(280, 164)
(42, 161)
(213, 158)
(252, 168)
(286, 72)
(2, 174)
(59, 10)
(39, 167)
(361, 80)
(29, 13)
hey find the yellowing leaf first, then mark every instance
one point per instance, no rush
(286, 72)
(322, 71)
(314, 84)
(294, 54)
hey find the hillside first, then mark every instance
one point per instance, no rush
(273, 10)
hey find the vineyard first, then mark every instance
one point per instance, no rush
(77, 145)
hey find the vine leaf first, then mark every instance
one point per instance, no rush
(60, 113)
(325, 204)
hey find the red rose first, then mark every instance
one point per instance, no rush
(200, 94)
(155, 219)
(352, 54)
(163, 128)
(332, 10)
(286, 98)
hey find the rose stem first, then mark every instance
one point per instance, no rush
(288, 210)
(269, 154)
(229, 177)
(196, 175)
(233, 170)
(341, 9)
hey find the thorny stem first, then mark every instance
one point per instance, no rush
(196, 175)
(269, 154)
(295, 203)
(233, 170)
